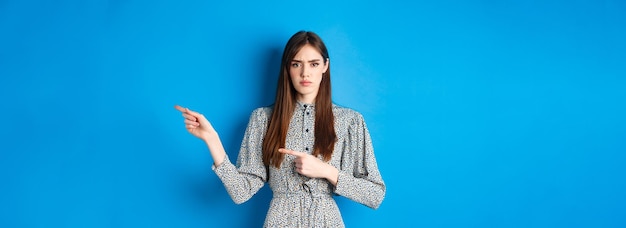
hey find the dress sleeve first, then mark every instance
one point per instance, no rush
(245, 179)
(359, 178)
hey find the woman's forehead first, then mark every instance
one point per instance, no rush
(307, 53)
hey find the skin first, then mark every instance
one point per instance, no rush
(306, 73)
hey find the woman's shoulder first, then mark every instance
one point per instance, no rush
(263, 111)
(343, 113)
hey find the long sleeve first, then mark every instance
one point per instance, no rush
(245, 179)
(359, 178)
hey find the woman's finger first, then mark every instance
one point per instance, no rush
(189, 117)
(193, 123)
(294, 153)
(188, 111)
(194, 114)
(179, 108)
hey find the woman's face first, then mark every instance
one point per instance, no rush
(306, 70)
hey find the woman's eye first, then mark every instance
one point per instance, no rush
(295, 64)
(315, 64)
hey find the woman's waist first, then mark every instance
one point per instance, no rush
(302, 193)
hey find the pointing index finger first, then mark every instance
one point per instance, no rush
(193, 113)
(294, 153)
(180, 108)
(186, 110)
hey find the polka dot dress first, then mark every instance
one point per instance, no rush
(300, 201)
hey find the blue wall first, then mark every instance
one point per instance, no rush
(483, 114)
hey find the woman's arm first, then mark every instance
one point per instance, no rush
(200, 127)
(217, 149)
(245, 179)
(311, 166)
(359, 178)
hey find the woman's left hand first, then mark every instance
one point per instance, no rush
(310, 166)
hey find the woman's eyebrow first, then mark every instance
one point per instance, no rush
(312, 60)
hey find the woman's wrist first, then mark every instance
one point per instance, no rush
(210, 137)
(332, 175)
(215, 148)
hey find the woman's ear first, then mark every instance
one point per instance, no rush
(326, 64)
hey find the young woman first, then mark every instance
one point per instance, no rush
(306, 147)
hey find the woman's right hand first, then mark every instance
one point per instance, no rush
(197, 124)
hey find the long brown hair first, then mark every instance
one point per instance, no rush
(285, 103)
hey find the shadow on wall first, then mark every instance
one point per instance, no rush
(256, 208)
(209, 193)
(270, 77)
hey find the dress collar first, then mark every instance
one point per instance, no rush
(304, 105)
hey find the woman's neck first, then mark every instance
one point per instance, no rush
(305, 99)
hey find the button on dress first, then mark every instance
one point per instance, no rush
(300, 201)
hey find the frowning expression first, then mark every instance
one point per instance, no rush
(306, 71)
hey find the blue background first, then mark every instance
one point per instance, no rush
(483, 113)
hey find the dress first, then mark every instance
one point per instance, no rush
(300, 201)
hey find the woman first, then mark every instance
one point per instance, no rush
(306, 147)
